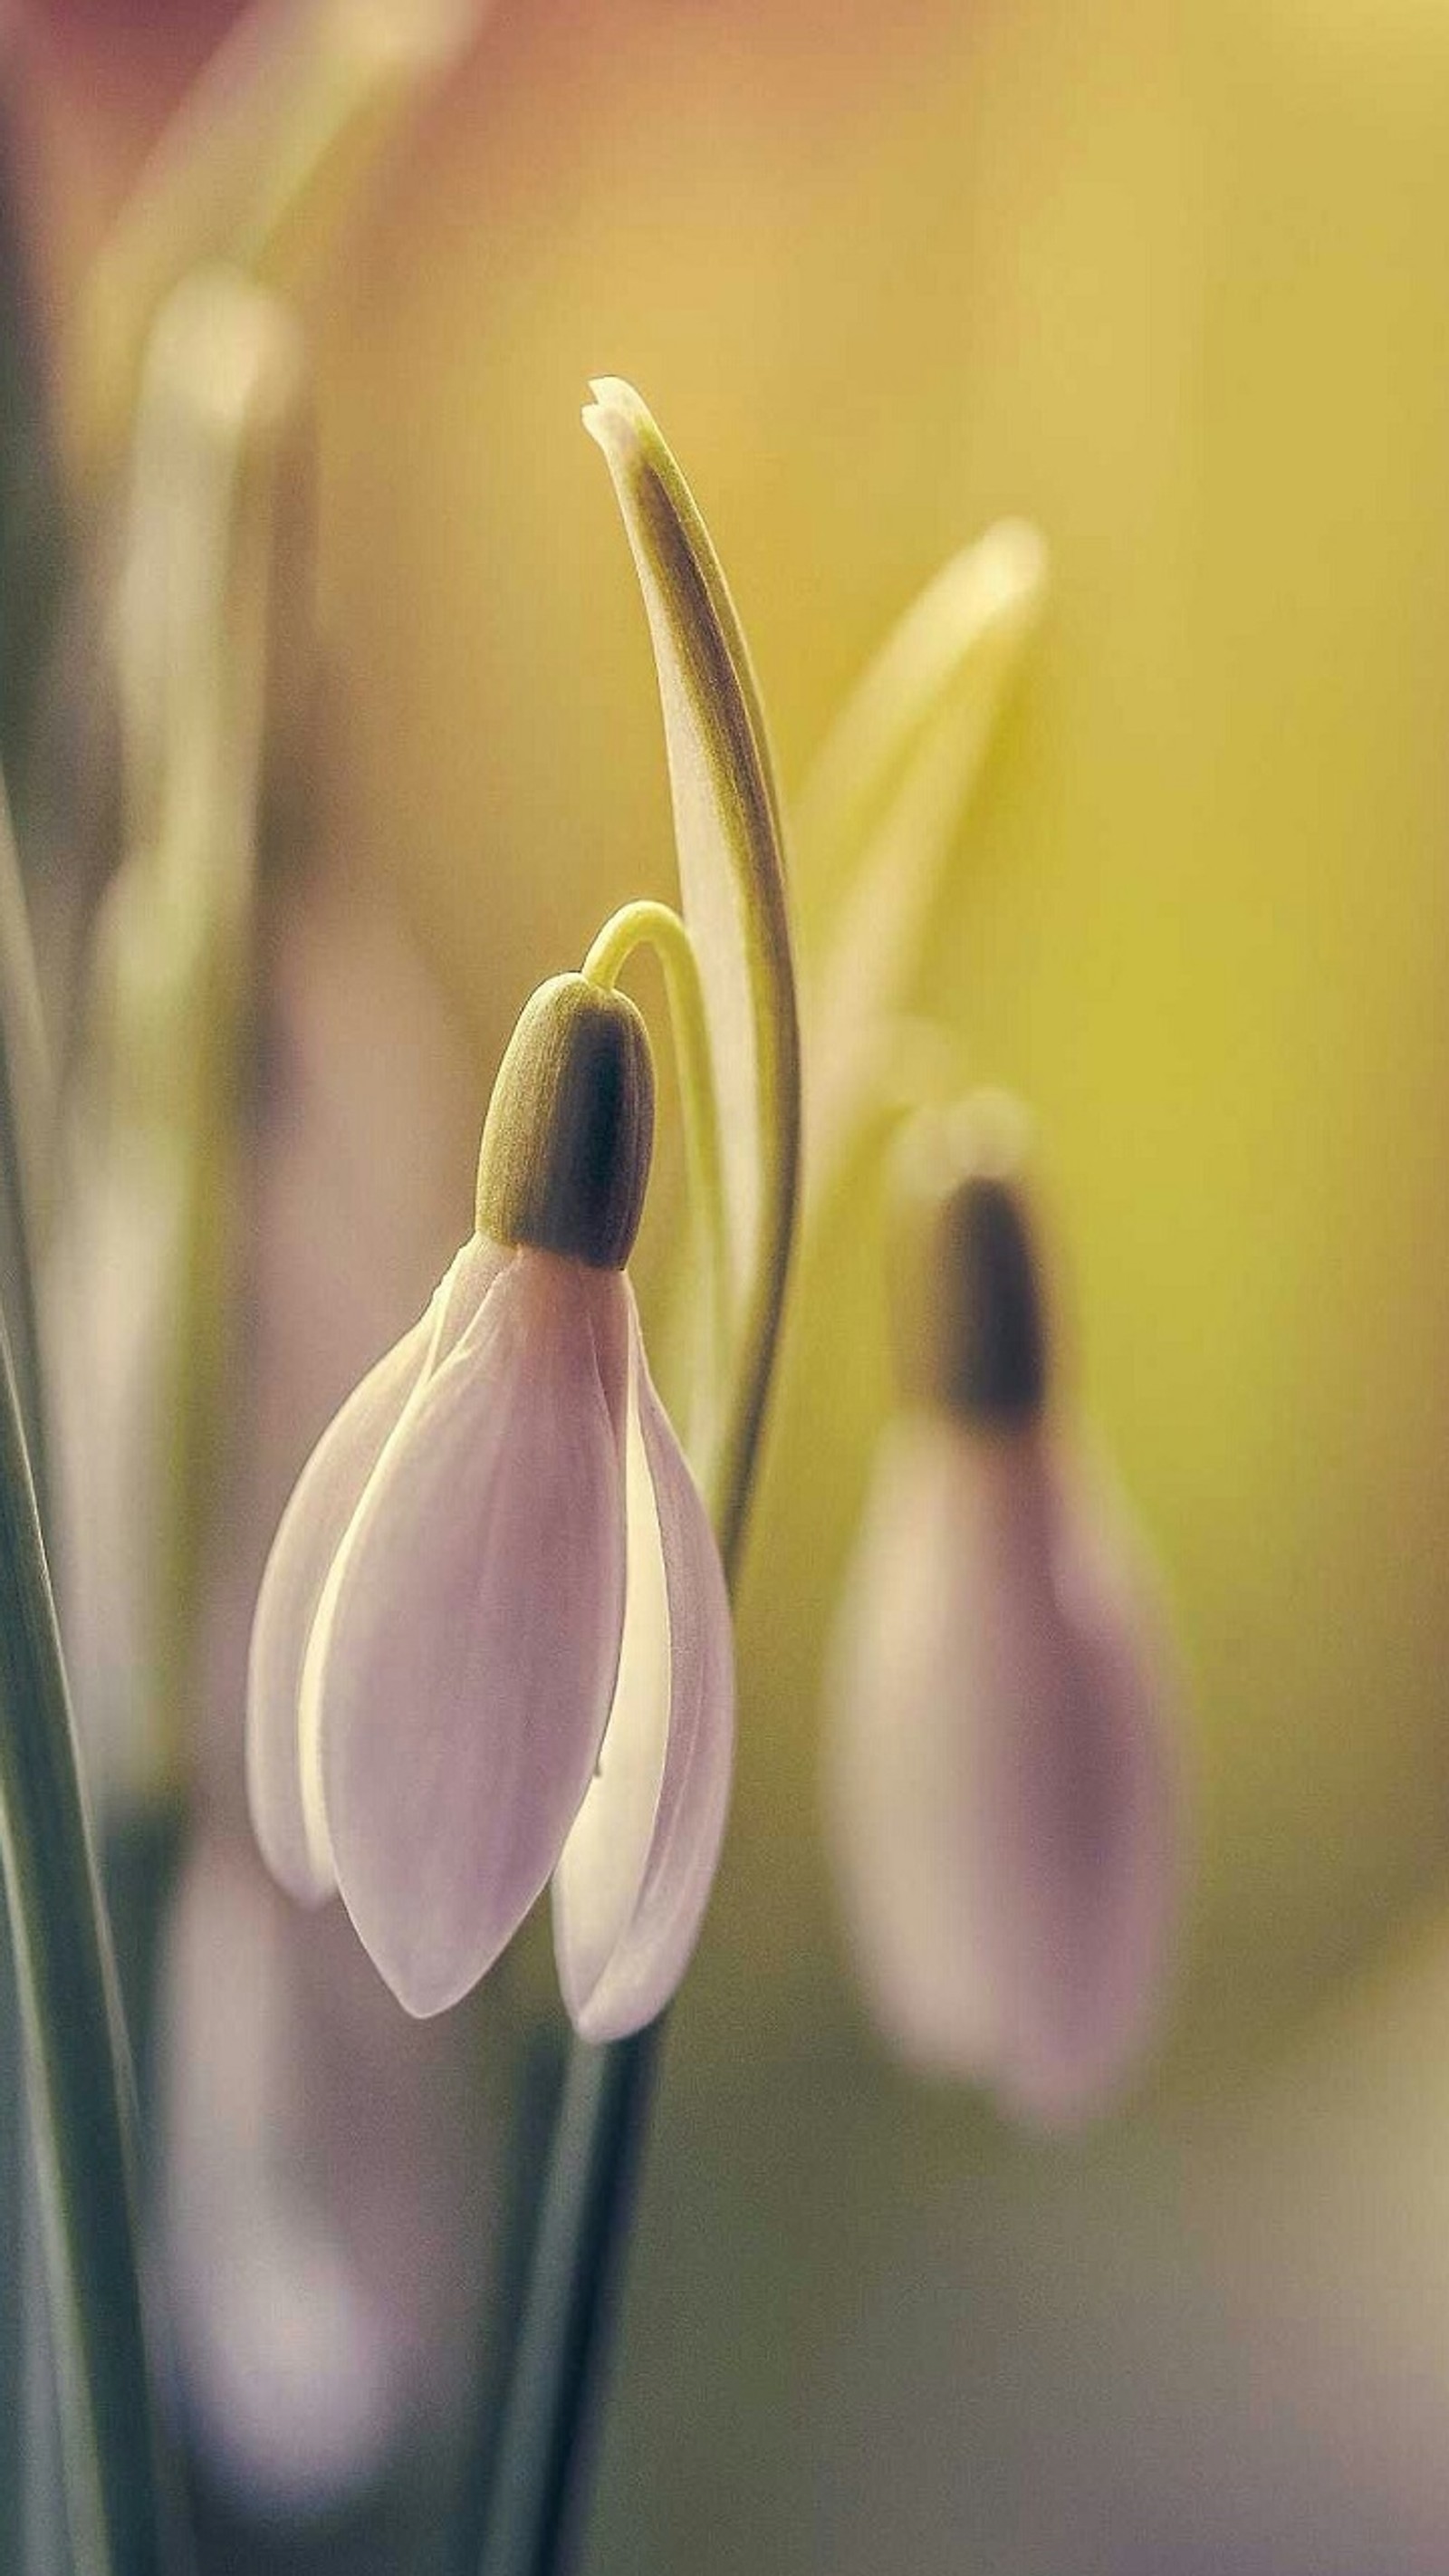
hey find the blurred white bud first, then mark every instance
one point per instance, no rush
(1002, 1771)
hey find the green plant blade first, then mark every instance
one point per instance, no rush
(732, 885)
(880, 814)
(79, 2076)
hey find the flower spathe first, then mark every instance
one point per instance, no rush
(492, 1642)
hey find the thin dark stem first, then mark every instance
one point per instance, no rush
(79, 2087)
(544, 2439)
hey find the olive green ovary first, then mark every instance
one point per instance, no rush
(564, 1162)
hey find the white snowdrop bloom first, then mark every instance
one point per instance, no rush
(492, 1642)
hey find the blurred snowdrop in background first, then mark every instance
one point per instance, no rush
(1001, 1769)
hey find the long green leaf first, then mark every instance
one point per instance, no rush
(79, 2075)
(732, 883)
(880, 815)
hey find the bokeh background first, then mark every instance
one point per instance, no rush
(1172, 282)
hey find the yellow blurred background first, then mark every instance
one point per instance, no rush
(1172, 282)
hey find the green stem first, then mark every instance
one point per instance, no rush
(537, 2478)
(658, 926)
(79, 2073)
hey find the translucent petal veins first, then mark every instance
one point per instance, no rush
(472, 1631)
(311, 1532)
(632, 1885)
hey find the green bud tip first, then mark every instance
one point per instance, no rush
(974, 1324)
(564, 1161)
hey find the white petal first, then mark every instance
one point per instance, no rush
(1003, 1787)
(630, 1891)
(312, 1528)
(464, 1655)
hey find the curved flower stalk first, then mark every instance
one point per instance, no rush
(261, 167)
(1003, 1793)
(492, 1643)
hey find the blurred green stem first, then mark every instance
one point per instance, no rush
(79, 2073)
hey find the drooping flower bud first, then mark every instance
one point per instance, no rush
(458, 1658)
(1002, 1779)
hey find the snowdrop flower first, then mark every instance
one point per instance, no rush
(1002, 1780)
(492, 1644)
